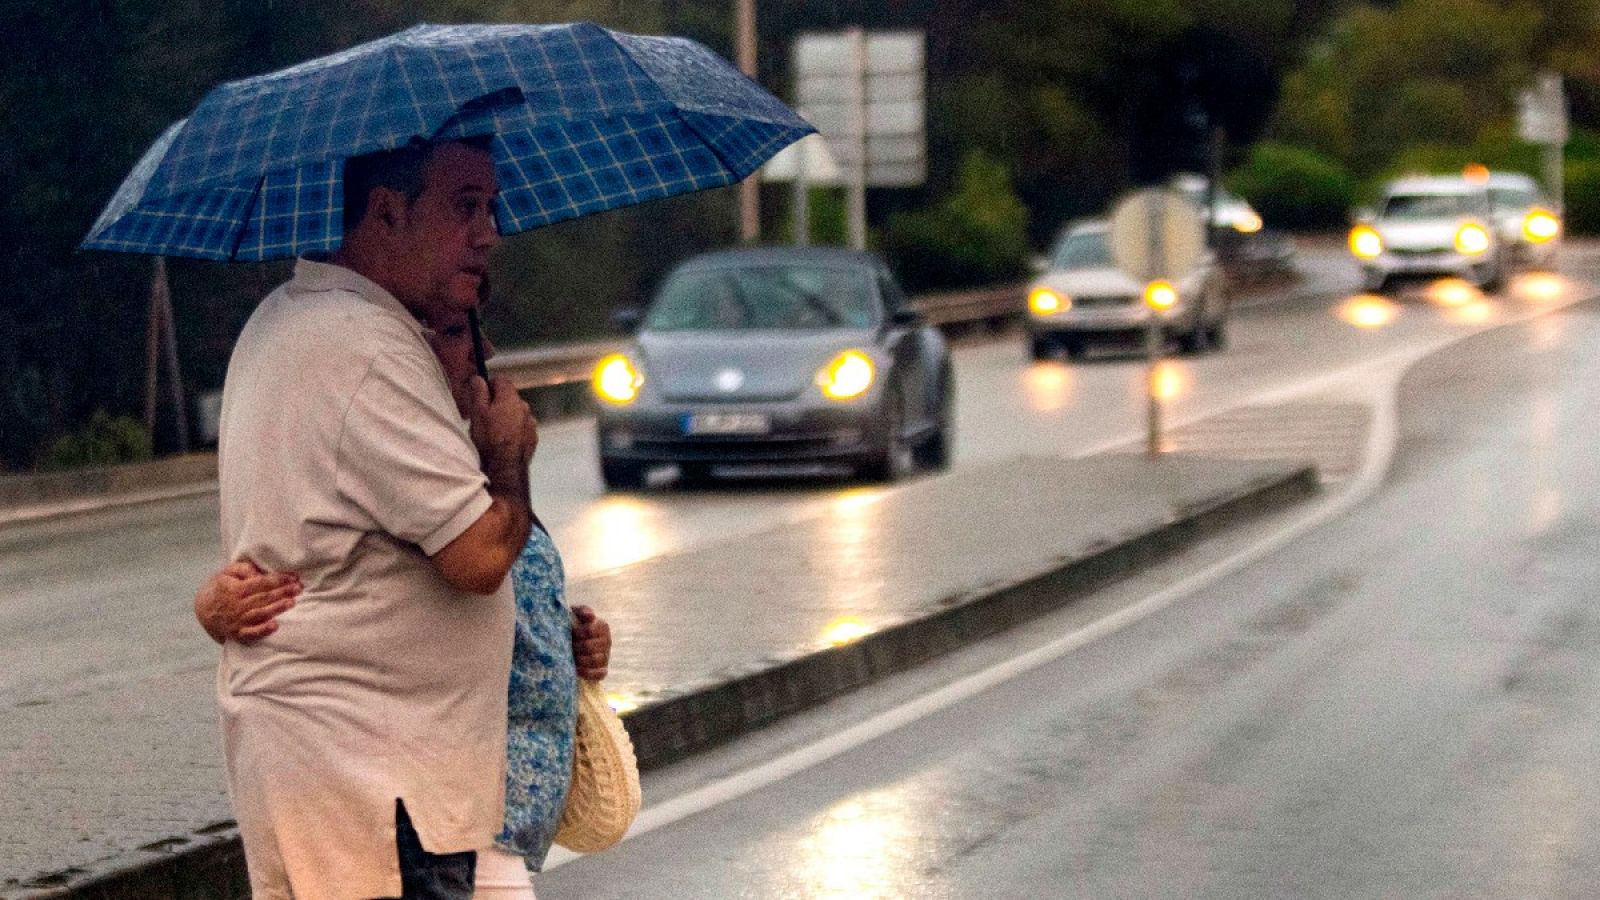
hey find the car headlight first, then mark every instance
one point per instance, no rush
(1472, 239)
(1540, 226)
(1160, 295)
(1046, 302)
(1365, 242)
(846, 376)
(617, 380)
(1247, 223)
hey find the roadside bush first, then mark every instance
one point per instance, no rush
(1295, 188)
(976, 235)
(829, 218)
(1583, 196)
(103, 440)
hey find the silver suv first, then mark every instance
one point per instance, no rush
(1428, 227)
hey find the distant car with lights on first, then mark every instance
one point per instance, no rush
(1229, 212)
(776, 356)
(1430, 227)
(1525, 220)
(1082, 298)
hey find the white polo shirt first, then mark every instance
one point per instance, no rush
(343, 458)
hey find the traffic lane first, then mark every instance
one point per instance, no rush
(1057, 407)
(89, 604)
(1400, 703)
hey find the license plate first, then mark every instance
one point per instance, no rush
(727, 423)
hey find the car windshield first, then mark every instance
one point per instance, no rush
(1512, 198)
(766, 297)
(1429, 206)
(1085, 250)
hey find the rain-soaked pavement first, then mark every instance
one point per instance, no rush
(1402, 702)
(96, 627)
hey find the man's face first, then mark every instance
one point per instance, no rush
(443, 241)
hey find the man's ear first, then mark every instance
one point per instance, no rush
(386, 208)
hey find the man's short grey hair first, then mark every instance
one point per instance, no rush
(400, 169)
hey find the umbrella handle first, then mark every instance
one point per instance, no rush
(477, 346)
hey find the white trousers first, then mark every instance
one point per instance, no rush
(502, 876)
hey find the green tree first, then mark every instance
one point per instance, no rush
(1293, 187)
(1422, 72)
(978, 234)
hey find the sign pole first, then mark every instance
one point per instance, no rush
(802, 196)
(1156, 268)
(1156, 238)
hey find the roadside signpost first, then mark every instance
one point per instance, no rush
(1542, 119)
(1156, 238)
(864, 92)
(805, 162)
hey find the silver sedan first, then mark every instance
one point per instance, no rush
(1082, 298)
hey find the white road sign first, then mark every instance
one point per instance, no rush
(885, 88)
(1542, 112)
(1156, 233)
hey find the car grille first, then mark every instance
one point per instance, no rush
(1418, 251)
(1106, 302)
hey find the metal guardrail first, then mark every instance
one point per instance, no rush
(541, 367)
(563, 364)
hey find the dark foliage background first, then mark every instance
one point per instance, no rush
(1038, 111)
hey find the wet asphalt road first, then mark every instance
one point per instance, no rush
(1402, 703)
(101, 598)
(95, 626)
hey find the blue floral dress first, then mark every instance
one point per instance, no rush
(543, 703)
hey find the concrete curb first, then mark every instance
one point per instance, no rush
(210, 865)
(27, 498)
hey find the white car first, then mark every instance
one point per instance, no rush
(1082, 298)
(1526, 221)
(1232, 213)
(1430, 227)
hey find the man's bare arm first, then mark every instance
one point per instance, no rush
(505, 433)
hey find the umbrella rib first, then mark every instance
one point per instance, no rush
(710, 145)
(244, 220)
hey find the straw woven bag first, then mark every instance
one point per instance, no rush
(604, 796)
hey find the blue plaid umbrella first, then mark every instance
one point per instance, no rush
(582, 119)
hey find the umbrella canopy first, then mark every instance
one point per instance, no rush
(580, 118)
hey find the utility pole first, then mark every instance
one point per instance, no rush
(750, 188)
